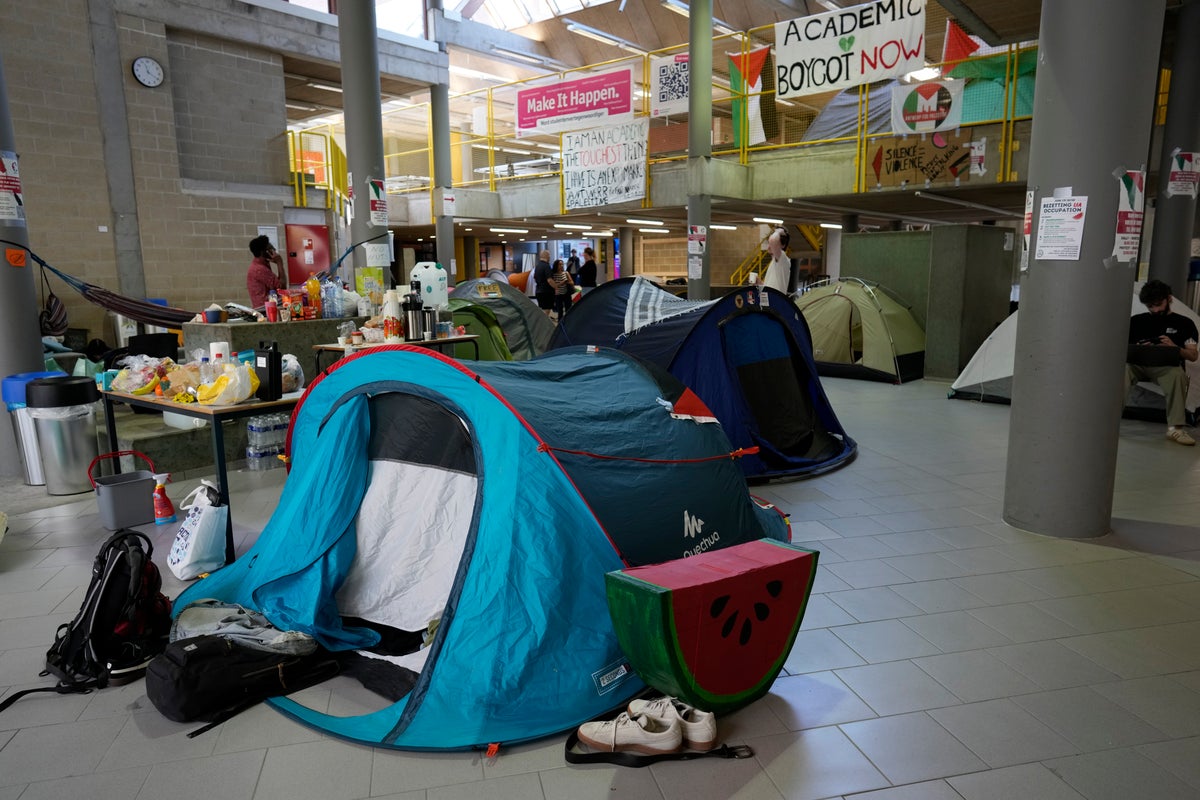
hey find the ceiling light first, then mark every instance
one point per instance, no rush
(600, 233)
(515, 150)
(600, 36)
(967, 204)
(328, 87)
(474, 73)
(653, 230)
(300, 106)
(833, 226)
(716, 227)
(528, 58)
(567, 227)
(768, 221)
(644, 221)
(508, 230)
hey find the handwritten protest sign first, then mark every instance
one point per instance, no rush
(912, 160)
(605, 165)
(868, 42)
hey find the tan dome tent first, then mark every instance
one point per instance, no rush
(859, 330)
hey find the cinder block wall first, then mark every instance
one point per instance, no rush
(667, 255)
(56, 121)
(208, 158)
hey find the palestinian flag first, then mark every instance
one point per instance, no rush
(752, 78)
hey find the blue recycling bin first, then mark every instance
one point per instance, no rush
(12, 390)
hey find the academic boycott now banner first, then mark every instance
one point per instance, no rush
(605, 165)
(865, 43)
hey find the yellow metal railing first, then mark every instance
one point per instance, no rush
(489, 152)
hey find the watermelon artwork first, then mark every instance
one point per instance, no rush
(713, 629)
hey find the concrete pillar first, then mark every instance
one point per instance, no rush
(471, 258)
(439, 112)
(1071, 333)
(357, 37)
(1175, 213)
(627, 265)
(699, 143)
(20, 338)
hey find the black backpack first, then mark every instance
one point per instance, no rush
(214, 678)
(122, 624)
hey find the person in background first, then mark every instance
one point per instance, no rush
(261, 278)
(573, 265)
(564, 287)
(543, 292)
(1161, 327)
(779, 272)
(587, 272)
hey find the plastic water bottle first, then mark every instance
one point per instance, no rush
(206, 375)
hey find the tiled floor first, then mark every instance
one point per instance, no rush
(944, 655)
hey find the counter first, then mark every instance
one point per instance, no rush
(296, 338)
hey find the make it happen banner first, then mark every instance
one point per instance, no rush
(605, 165)
(866, 43)
(604, 99)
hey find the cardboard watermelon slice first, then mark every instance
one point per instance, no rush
(713, 629)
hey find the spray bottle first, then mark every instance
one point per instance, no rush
(164, 511)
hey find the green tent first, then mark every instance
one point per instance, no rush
(859, 330)
(479, 321)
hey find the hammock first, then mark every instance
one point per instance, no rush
(139, 310)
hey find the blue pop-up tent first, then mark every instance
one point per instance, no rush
(748, 356)
(447, 530)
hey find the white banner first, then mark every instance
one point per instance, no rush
(926, 107)
(605, 165)
(669, 85)
(865, 43)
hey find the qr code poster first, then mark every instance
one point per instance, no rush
(669, 85)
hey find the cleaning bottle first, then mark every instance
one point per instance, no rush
(164, 511)
(313, 287)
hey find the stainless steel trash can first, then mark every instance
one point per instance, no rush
(12, 390)
(64, 417)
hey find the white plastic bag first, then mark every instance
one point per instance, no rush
(232, 386)
(199, 546)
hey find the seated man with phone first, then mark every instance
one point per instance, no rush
(1160, 341)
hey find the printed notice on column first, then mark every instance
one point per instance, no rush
(1060, 228)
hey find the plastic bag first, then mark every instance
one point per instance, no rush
(293, 374)
(232, 386)
(140, 374)
(199, 545)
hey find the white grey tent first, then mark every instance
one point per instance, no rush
(988, 375)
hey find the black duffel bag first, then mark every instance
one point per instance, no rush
(213, 678)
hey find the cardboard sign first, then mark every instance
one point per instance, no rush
(907, 161)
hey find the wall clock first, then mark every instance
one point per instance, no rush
(148, 71)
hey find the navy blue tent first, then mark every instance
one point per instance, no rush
(446, 528)
(748, 356)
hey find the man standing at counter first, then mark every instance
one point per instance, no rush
(261, 278)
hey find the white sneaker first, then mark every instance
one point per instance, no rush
(1180, 436)
(699, 727)
(639, 734)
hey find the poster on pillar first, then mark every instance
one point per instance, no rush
(1131, 201)
(1185, 174)
(12, 205)
(1060, 227)
(605, 165)
(936, 159)
(603, 99)
(853, 46)
(379, 203)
